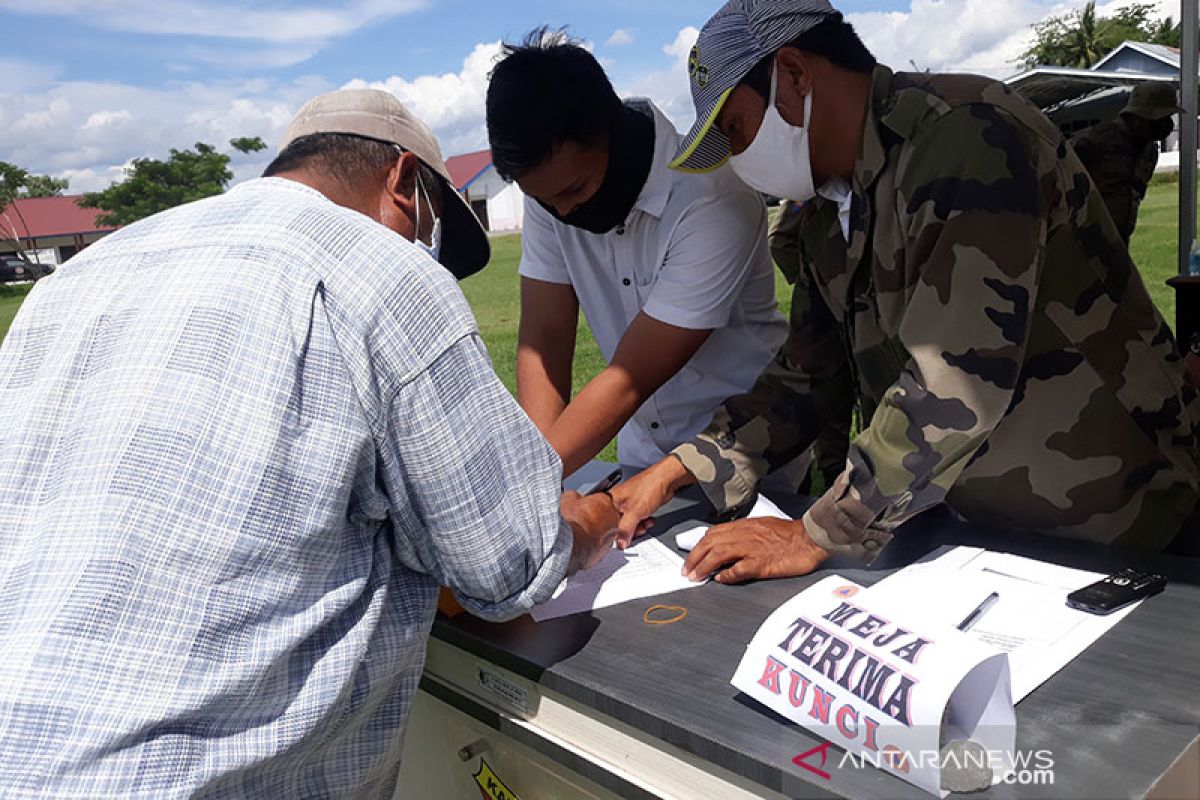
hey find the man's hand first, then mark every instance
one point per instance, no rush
(754, 549)
(593, 522)
(645, 493)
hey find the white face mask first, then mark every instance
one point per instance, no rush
(778, 161)
(434, 248)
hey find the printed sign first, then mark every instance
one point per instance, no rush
(490, 785)
(877, 684)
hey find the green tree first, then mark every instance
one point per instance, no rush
(15, 183)
(1081, 38)
(44, 186)
(151, 185)
(247, 144)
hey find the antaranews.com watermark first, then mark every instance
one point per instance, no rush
(1027, 768)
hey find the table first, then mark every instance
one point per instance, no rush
(604, 705)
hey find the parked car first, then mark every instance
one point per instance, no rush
(14, 268)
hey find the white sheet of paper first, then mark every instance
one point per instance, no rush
(686, 540)
(643, 570)
(1031, 621)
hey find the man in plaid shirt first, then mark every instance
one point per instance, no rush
(242, 443)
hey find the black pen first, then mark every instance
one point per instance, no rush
(979, 611)
(608, 483)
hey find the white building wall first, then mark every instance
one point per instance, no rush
(505, 201)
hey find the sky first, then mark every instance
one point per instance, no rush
(88, 85)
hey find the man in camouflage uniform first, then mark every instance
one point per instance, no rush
(829, 449)
(1121, 154)
(1003, 347)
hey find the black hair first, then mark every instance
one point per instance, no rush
(353, 161)
(834, 39)
(546, 90)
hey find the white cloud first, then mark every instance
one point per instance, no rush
(452, 104)
(106, 119)
(92, 180)
(87, 131)
(19, 75)
(620, 37)
(668, 88)
(265, 37)
(982, 36)
(228, 20)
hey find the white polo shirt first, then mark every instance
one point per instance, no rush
(692, 253)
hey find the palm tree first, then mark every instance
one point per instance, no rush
(1085, 48)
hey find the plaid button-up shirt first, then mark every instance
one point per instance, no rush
(241, 444)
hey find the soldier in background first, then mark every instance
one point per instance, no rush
(966, 281)
(829, 450)
(1121, 154)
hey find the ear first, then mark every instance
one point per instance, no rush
(401, 182)
(794, 83)
(398, 200)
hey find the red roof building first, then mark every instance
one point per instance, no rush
(467, 168)
(499, 205)
(50, 223)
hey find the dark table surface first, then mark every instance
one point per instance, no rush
(1114, 719)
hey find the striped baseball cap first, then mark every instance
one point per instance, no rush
(741, 34)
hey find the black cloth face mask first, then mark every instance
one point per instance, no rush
(630, 154)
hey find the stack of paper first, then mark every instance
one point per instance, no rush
(1030, 621)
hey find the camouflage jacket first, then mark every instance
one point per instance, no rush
(1119, 166)
(998, 337)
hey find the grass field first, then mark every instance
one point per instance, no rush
(494, 294)
(10, 301)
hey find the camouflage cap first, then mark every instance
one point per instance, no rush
(737, 37)
(1152, 100)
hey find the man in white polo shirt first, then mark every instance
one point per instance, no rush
(672, 271)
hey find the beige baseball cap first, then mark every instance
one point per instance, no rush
(376, 114)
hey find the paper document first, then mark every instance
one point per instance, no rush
(643, 570)
(1029, 618)
(687, 540)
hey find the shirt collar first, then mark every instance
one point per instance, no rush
(872, 157)
(273, 182)
(657, 190)
(840, 193)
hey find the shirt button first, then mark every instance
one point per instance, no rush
(654, 425)
(626, 282)
(620, 230)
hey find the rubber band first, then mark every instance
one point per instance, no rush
(680, 611)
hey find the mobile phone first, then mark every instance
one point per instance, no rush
(1116, 591)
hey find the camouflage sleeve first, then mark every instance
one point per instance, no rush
(784, 240)
(1084, 145)
(758, 432)
(973, 230)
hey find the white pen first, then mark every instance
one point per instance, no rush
(979, 611)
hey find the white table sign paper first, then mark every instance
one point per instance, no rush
(872, 683)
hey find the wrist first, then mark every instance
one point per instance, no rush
(676, 475)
